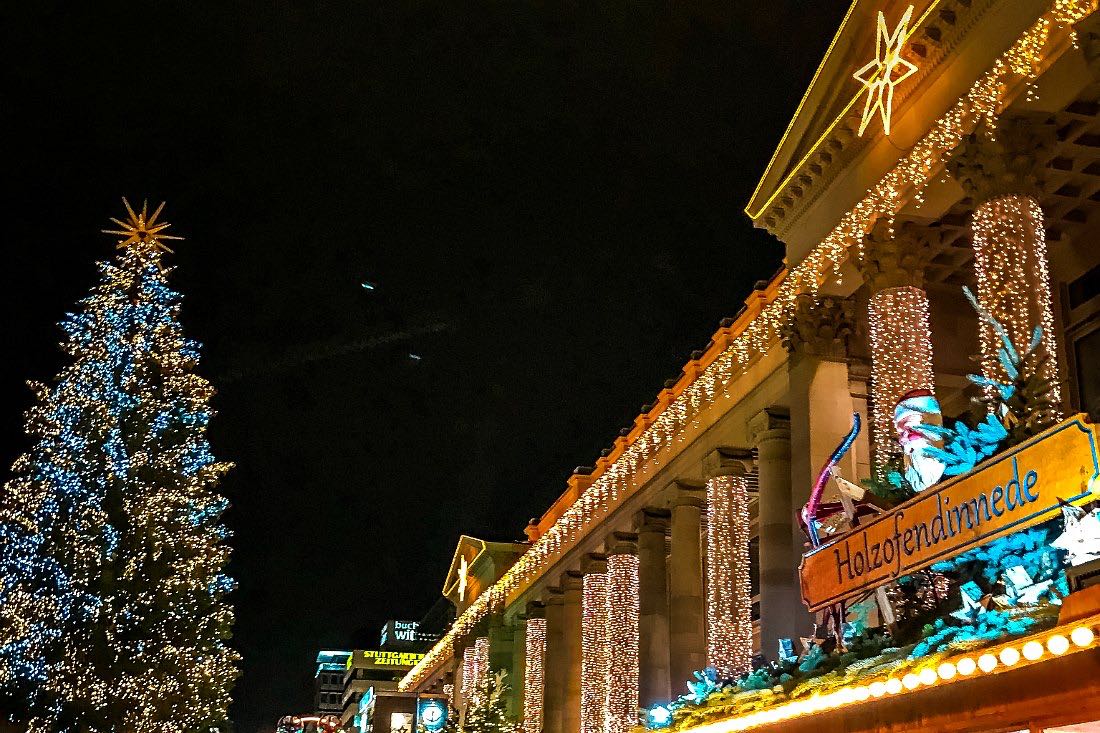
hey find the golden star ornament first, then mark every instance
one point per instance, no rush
(142, 230)
(885, 71)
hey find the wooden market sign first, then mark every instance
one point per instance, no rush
(1010, 492)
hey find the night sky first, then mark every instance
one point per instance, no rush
(548, 196)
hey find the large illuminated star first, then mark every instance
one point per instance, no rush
(885, 71)
(463, 577)
(142, 230)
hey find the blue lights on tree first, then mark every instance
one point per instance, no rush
(113, 596)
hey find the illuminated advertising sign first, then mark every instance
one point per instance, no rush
(1015, 490)
(380, 658)
(431, 714)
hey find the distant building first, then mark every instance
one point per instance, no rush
(370, 676)
(328, 682)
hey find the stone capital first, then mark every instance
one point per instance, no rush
(552, 596)
(683, 493)
(724, 461)
(819, 327)
(652, 519)
(594, 563)
(894, 256)
(621, 543)
(571, 580)
(1003, 161)
(771, 423)
(534, 609)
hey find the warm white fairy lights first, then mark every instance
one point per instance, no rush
(534, 676)
(594, 657)
(707, 381)
(622, 642)
(1011, 655)
(475, 668)
(729, 595)
(1010, 261)
(901, 357)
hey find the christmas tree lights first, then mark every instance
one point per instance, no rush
(729, 596)
(708, 381)
(622, 642)
(113, 611)
(534, 679)
(594, 653)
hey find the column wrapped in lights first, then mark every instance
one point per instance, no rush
(622, 637)
(534, 678)
(1000, 168)
(729, 595)
(475, 668)
(1010, 261)
(594, 656)
(1039, 44)
(892, 259)
(901, 356)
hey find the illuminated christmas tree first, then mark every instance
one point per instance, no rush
(113, 609)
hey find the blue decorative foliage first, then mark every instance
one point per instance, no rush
(965, 447)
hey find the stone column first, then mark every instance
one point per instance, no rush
(534, 668)
(571, 586)
(729, 594)
(816, 335)
(556, 662)
(517, 671)
(501, 645)
(653, 607)
(892, 264)
(782, 614)
(1001, 171)
(595, 667)
(687, 636)
(622, 632)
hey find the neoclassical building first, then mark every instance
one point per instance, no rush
(941, 144)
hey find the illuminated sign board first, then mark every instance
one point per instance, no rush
(399, 632)
(380, 658)
(1017, 489)
(431, 714)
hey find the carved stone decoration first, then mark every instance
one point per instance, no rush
(1003, 161)
(819, 326)
(896, 259)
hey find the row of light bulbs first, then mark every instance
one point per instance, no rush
(1057, 644)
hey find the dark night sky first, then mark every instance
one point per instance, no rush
(549, 195)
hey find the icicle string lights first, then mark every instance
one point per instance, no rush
(622, 642)
(729, 595)
(757, 330)
(534, 679)
(594, 657)
(901, 357)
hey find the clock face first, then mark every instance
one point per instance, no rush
(433, 716)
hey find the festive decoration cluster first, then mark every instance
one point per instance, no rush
(759, 329)
(595, 662)
(113, 610)
(729, 595)
(534, 676)
(609, 647)
(486, 710)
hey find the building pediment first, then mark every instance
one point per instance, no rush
(823, 165)
(476, 565)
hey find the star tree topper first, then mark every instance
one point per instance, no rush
(885, 71)
(142, 230)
